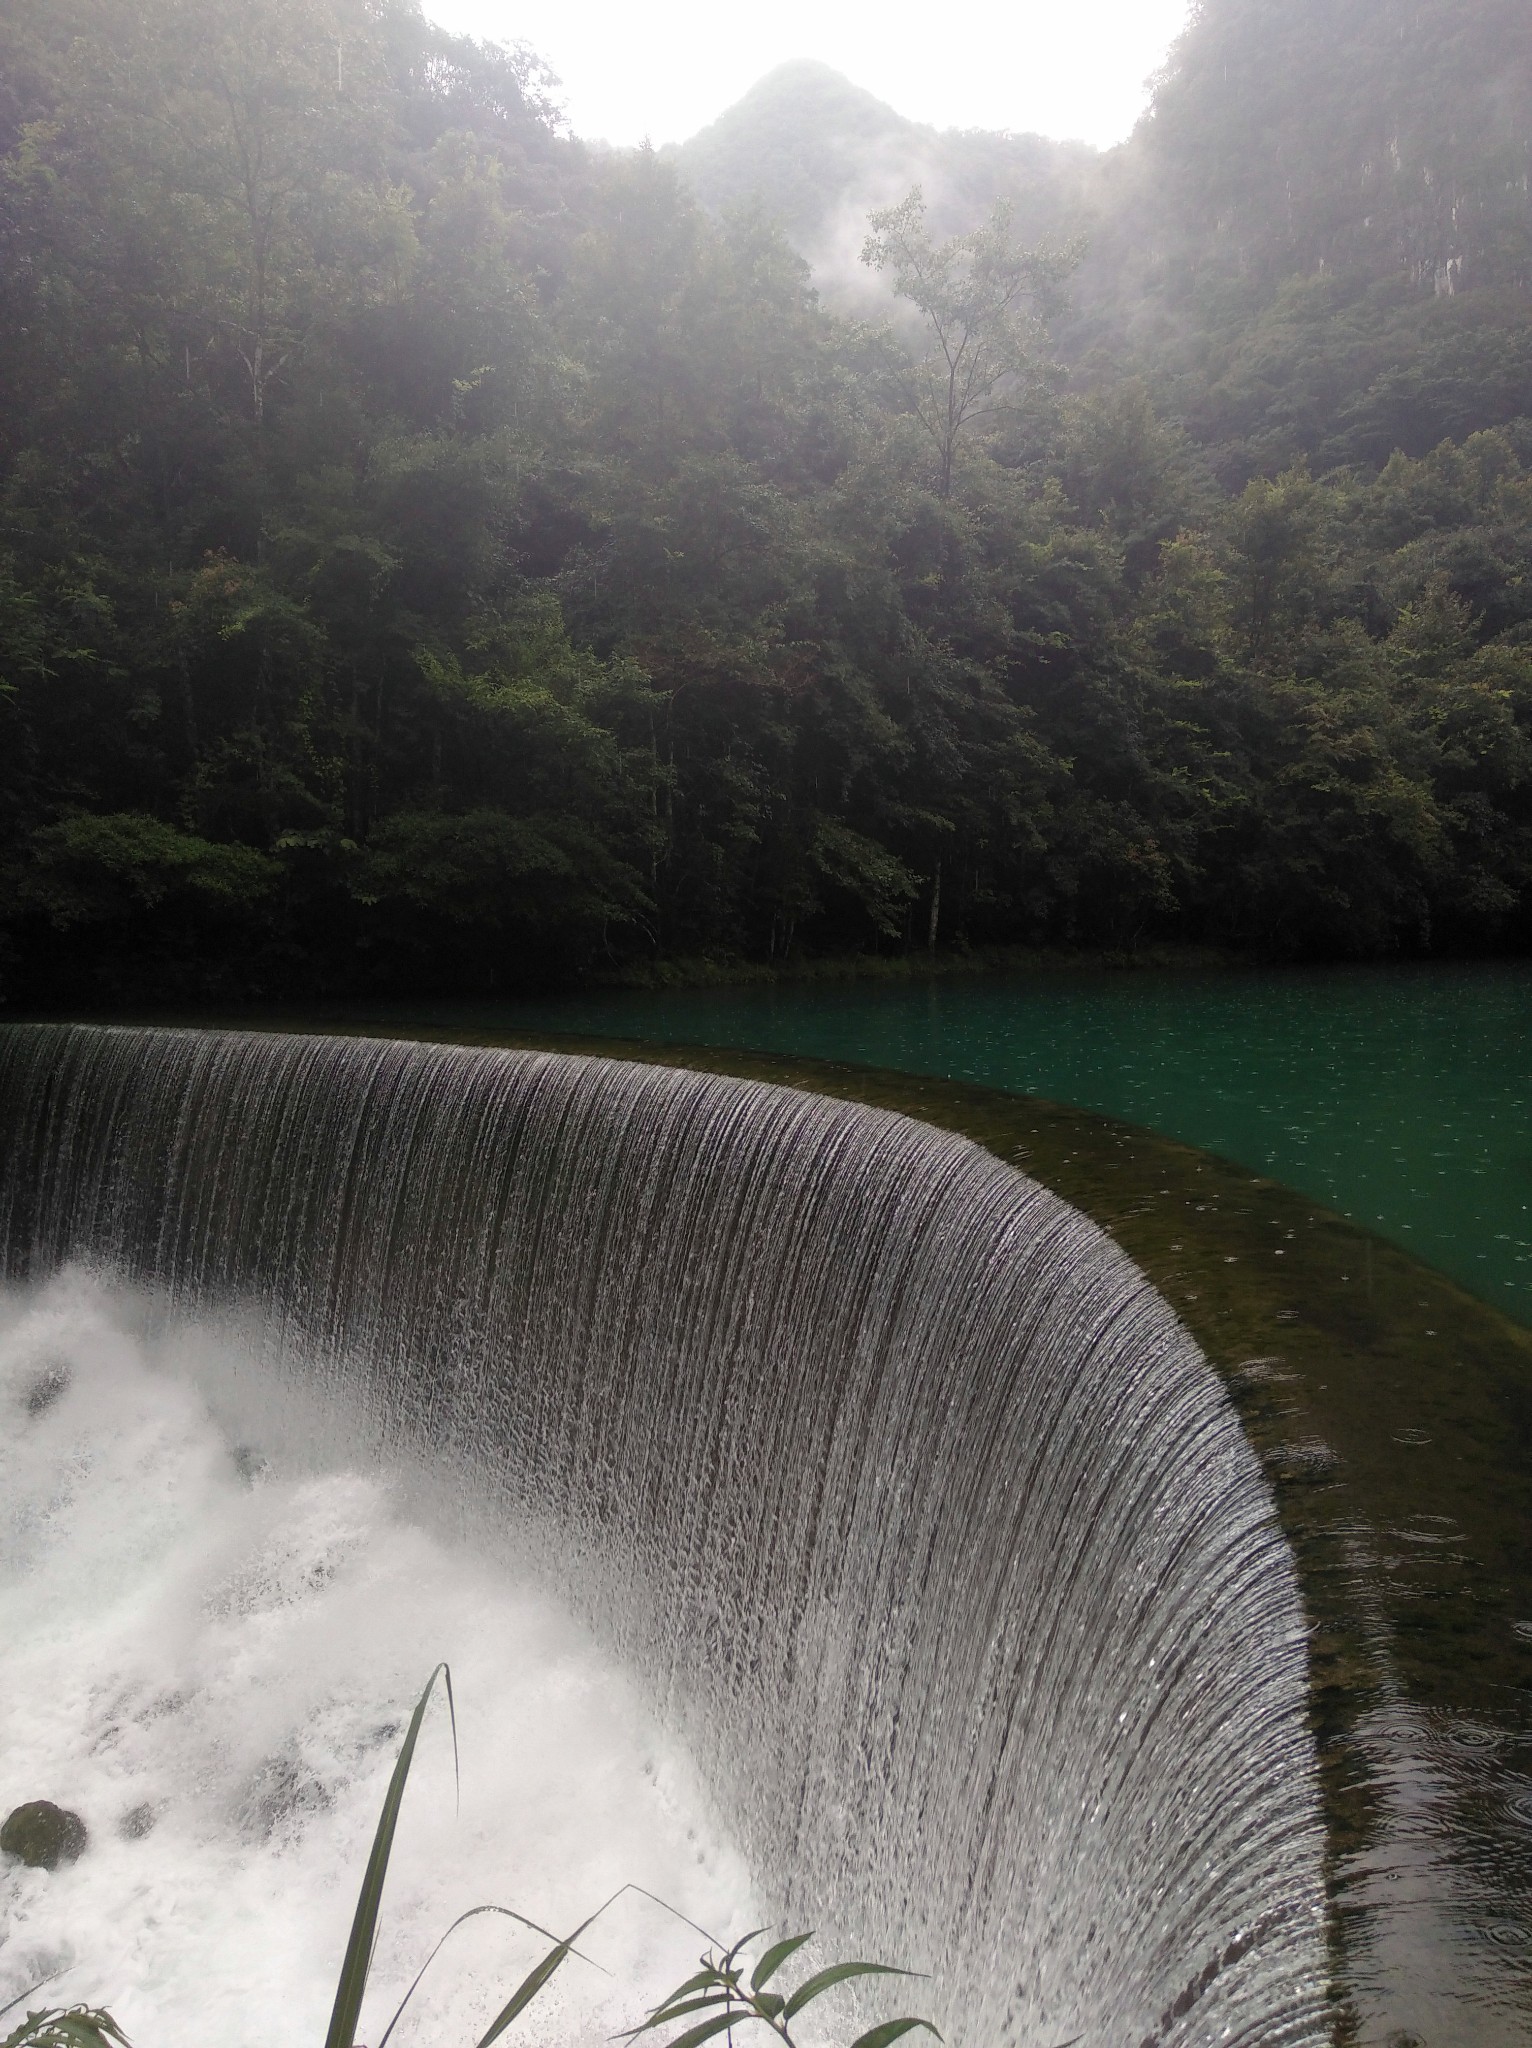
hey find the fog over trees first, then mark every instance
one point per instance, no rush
(433, 553)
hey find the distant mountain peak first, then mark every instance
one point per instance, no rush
(819, 152)
(811, 99)
(801, 71)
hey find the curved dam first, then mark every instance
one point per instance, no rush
(911, 1506)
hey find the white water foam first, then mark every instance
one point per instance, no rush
(213, 1662)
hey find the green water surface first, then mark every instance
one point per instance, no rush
(1401, 1097)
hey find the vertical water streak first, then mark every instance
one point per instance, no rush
(906, 1494)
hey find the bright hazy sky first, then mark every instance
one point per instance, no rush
(665, 68)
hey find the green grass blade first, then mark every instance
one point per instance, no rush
(524, 1993)
(841, 1973)
(530, 1985)
(891, 2030)
(675, 1913)
(357, 1960)
(473, 1913)
(11, 2004)
(774, 1958)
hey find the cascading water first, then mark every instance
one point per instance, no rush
(914, 1511)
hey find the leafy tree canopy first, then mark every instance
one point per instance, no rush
(435, 554)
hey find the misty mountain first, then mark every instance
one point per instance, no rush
(817, 154)
(1317, 243)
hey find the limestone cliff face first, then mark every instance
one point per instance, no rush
(1373, 135)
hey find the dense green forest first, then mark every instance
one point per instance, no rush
(434, 553)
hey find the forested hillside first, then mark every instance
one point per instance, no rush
(432, 554)
(1321, 238)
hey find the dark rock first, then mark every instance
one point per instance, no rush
(137, 1822)
(44, 1835)
(281, 1796)
(52, 1381)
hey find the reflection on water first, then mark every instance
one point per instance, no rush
(1434, 1891)
(1438, 1940)
(1394, 1427)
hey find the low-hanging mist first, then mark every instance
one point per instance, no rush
(912, 1507)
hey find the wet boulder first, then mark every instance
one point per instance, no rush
(46, 1388)
(43, 1835)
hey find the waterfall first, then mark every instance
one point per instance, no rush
(904, 1495)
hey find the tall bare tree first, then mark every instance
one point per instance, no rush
(985, 301)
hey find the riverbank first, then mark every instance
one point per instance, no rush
(801, 970)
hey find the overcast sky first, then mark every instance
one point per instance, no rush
(1069, 68)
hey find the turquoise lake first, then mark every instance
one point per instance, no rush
(1400, 1096)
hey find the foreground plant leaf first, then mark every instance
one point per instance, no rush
(474, 1913)
(773, 1959)
(718, 1984)
(891, 2030)
(364, 1926)
(838, 1973)
(694, 2036)
(531, 1984)
(75, 2026)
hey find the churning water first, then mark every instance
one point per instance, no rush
(916, 1520)
(211, 1651)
